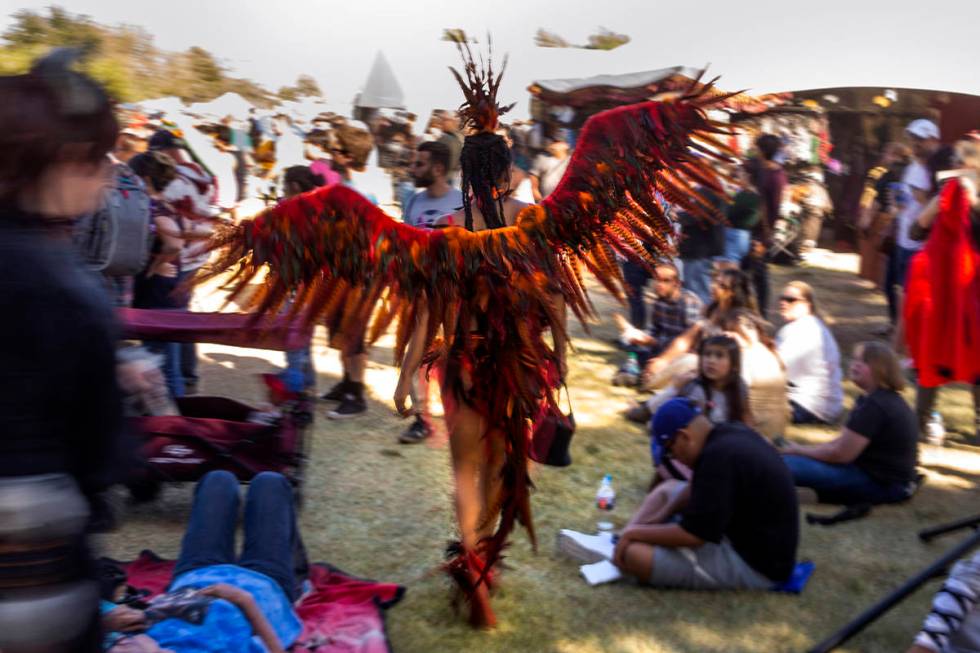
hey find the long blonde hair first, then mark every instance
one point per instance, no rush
(885, 368)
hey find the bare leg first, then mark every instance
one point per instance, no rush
(469, 458)
(658, 505)
(638, 561)
(470, 462)
(491, 481)
(354, 366)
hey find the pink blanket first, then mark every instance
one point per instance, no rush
(342, 614)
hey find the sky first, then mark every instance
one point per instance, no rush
(759, 45)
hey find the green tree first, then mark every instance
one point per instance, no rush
(308, 87)
(288, 93)
(603, 39)
(204, 67)
(606, 39)
(457, 35)
(545, 39)
(124, 59)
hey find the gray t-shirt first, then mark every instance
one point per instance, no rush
(422, 210)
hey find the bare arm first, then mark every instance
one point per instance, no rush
(868, 215)
(681, 345)
(669, 535)
(171, 243)
(535, 187)
(928, 213)
(842, 450)
(244, 602)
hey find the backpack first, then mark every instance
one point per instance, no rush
(116, 239)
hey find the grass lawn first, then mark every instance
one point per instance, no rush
(382, 510)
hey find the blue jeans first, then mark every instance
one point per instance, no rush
(737, 242)
(758, 271)
(895, 274)
(170, 351)
(188, 350)
(697, 277)
(800, 415)
(271, 534)
(841, 484)
(300, 375)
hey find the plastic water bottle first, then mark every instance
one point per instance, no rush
(936, 429)
(632, 366)
(605, 498)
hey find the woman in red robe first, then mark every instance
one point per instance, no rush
(942, 310)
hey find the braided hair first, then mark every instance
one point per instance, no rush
(485, 162)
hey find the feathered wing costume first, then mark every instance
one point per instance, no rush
(332, 248)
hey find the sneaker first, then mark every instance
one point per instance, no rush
(351, 405)
(337, 392)
(585, 548)
(418, 431)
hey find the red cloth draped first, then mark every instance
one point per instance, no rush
(942, 307)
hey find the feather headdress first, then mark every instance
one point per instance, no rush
(480, 112)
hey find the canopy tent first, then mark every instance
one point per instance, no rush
(381, 90)
(168, 105)
(306, 109)
(584, 96)
(229, 104)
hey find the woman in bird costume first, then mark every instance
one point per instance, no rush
(492, 286)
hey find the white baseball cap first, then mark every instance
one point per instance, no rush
(923, 128)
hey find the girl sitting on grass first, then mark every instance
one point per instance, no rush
(723, 397)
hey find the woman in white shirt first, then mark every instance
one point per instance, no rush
(811, 356)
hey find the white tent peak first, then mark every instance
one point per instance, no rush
(382, 90)
(229, 104)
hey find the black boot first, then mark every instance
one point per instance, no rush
(352, 404)
(336, 393)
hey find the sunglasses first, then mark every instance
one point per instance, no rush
(337, 150)
(790, 300)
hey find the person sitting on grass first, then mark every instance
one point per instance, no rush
(740, 529)
(873, 460)
(716, 385)
(811, 356)
(251, 596)
(722, 396)
(730, 293)
(673, 311)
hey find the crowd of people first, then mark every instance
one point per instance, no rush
(722, 383)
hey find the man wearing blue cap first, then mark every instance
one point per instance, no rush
(740, 529)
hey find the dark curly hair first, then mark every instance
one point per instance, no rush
(155, 166)
(485, 162)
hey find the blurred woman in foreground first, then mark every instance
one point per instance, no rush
(60, 407)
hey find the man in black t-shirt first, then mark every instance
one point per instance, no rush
(740, 529)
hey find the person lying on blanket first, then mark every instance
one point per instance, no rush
(217, 601)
